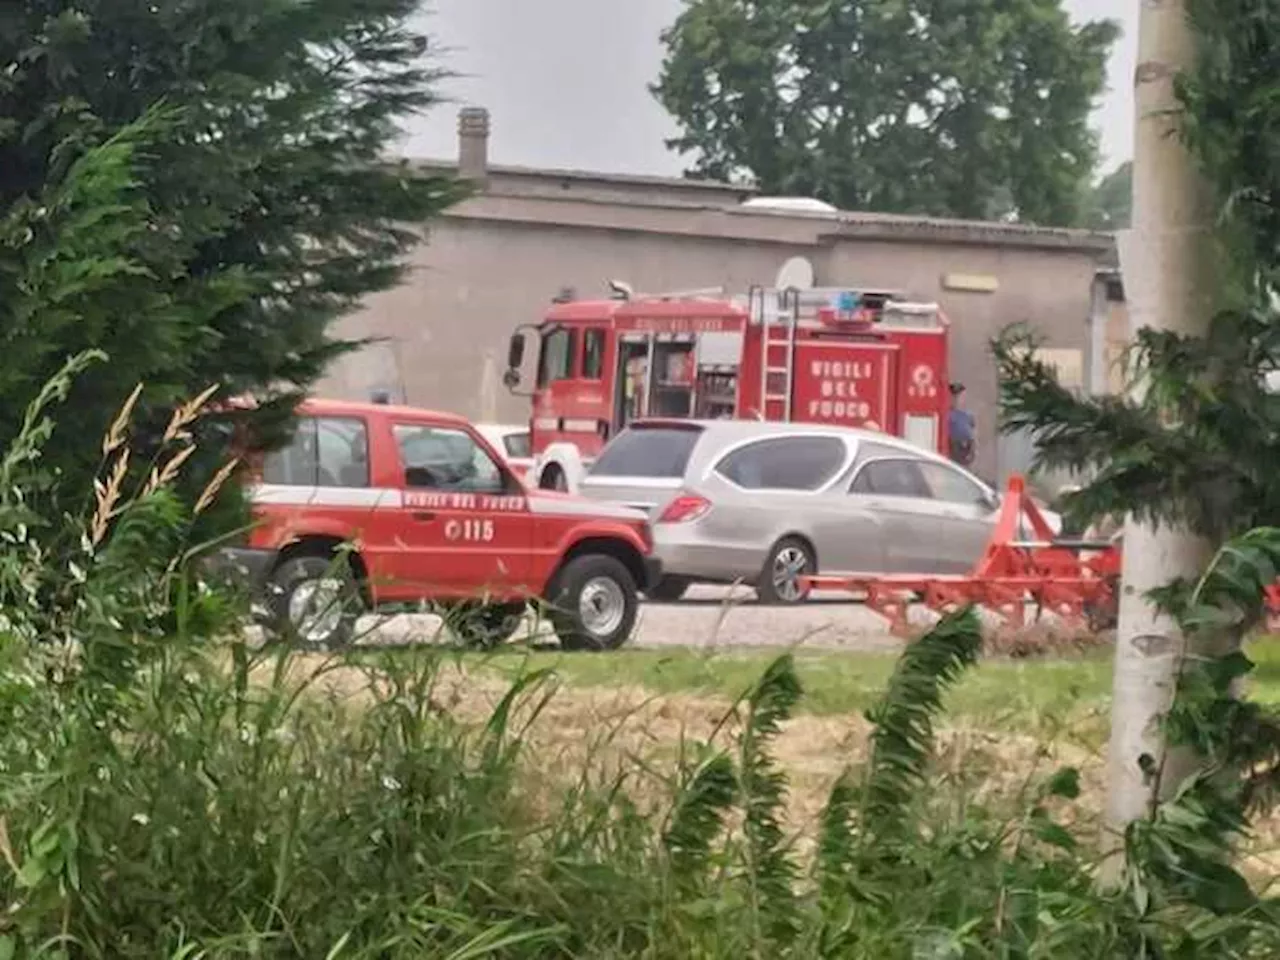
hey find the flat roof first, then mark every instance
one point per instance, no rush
(588, 176)
(843, 223)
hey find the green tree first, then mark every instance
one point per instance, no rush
(945, 107)
(257, 209)
(1189, 452)
(1111, 201)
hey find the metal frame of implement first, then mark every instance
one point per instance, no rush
(1076, 580)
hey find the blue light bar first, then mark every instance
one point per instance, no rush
(847, 301)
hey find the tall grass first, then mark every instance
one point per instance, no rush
(165, 791)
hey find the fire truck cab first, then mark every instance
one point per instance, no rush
(847, 357)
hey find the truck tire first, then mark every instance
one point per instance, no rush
(789, 557)
(485, 626)
(553, 478)
(668, 589)
(593, 603)
(314, 602)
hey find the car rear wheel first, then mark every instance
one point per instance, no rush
(668, 589)
(593, 603)
(485, 626)
(789, 560)
(314, 602)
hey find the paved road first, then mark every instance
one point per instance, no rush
(708, 616)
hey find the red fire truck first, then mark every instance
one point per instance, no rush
(858, 358)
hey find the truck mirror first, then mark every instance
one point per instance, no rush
(515, 354)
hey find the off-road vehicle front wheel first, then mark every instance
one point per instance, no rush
(593, 603)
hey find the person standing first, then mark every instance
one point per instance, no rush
(961, 428)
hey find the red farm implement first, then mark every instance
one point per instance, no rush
(1024, 569)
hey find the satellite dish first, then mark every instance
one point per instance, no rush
(795, 273)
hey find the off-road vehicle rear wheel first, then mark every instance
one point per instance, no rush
(314, 602)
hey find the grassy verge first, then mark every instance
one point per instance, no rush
(1023, 696)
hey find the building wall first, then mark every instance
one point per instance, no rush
(497, 261)
(1117, 344)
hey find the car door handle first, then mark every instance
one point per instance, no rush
(424, 516)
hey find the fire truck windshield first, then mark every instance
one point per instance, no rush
(555, 360)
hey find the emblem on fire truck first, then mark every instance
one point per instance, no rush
(922, 382)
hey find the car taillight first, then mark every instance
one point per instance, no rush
(686, 507)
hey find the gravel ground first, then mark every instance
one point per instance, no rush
(707, 617)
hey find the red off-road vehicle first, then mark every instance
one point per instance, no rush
(374, 506)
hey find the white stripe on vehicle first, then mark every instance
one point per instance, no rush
(287, 495)
(581, 426)
(373, 498)
(573, 507)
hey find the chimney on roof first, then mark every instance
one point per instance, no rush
(473, 144)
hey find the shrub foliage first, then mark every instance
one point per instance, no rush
(167, 791)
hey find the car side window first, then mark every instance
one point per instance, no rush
(890, 478)
(952, 486)
(447, 459)
(324, 452)
(784, 463)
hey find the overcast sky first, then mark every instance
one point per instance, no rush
(565, 81)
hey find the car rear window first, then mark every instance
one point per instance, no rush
(655, 452)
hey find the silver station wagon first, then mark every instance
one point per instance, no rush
(763, 503)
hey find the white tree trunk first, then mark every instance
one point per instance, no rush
(1169, 283)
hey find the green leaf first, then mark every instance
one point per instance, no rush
(1064, 783)
(1054, 834)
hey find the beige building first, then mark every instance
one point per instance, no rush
(496, 260)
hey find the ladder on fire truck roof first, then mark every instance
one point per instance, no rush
(769, 369)
(781, 311)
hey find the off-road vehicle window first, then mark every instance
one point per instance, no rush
(440, 458)
(324, 452)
